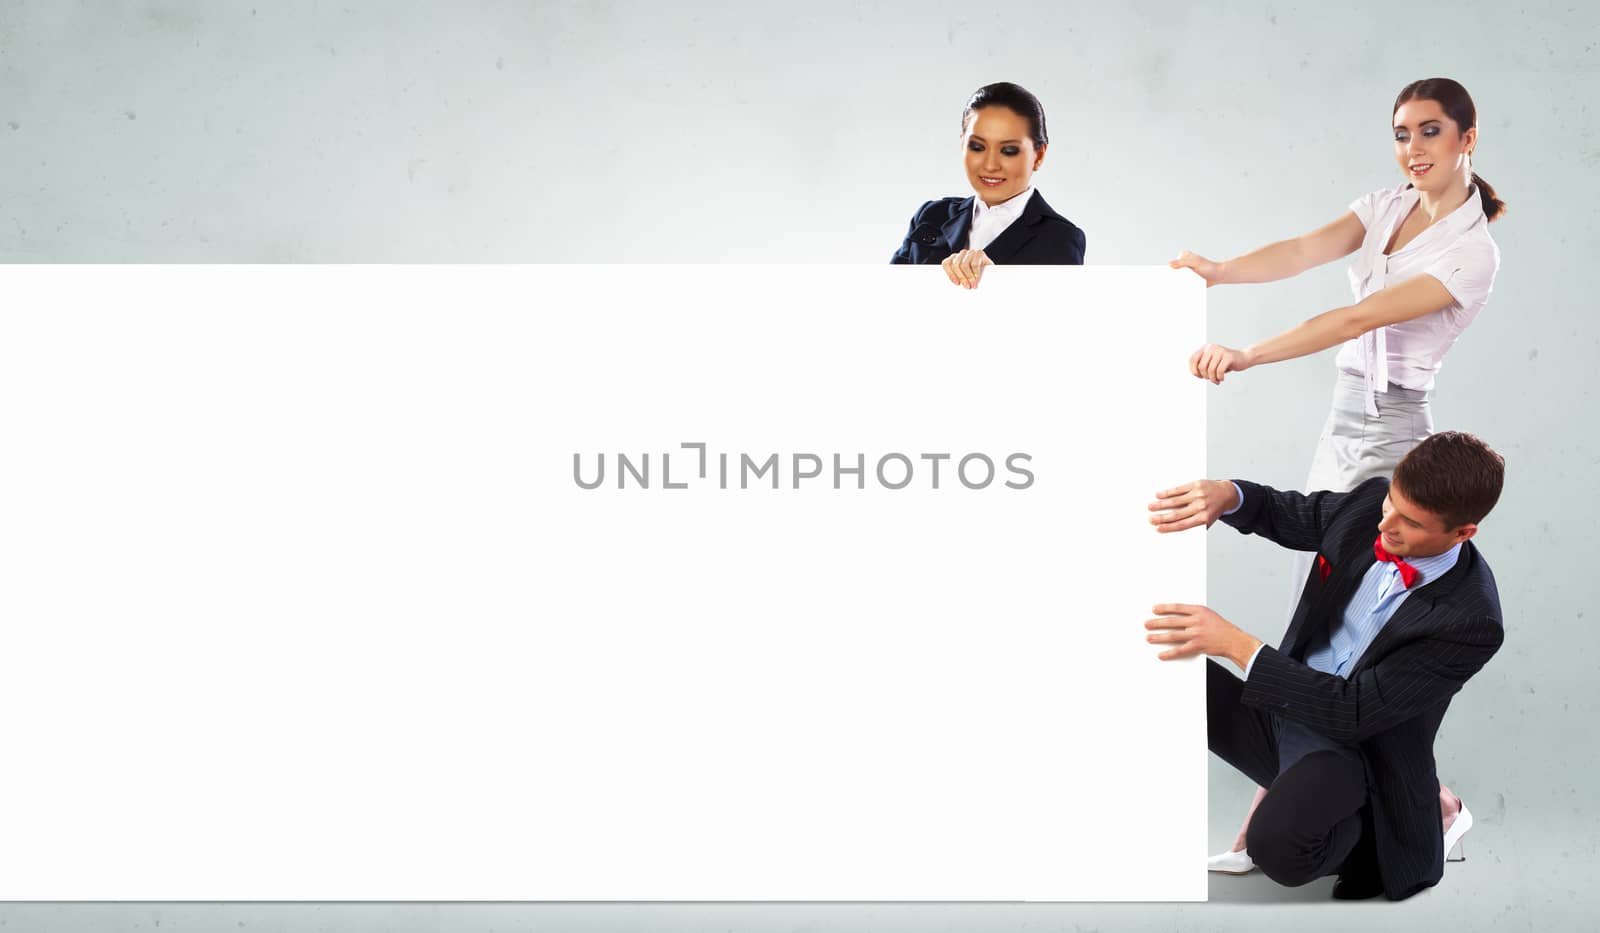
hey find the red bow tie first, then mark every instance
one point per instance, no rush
(1408, 573)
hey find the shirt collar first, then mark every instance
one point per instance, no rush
(1432, 568)
(1469, 212)
(1008, 210)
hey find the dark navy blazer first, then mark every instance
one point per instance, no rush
(1038, 237)
(1390, 706)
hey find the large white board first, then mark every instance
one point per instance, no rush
(301, 596)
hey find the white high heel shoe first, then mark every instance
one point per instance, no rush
(1236, 863)
(1452, 839)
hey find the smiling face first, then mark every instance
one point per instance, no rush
(1001, 157)
(1409, 530)
(1432, 151)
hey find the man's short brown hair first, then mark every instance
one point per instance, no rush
(1453, 475)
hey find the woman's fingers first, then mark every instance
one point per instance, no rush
(1203, 363)
(965, 268)
(978, 260)
(1211, 362)
(972, 261)
(954, 268)
(1224, 362)
(1200, 265)
(949, 267)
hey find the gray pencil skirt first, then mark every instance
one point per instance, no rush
(1355, 447)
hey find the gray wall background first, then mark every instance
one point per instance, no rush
(181, 131)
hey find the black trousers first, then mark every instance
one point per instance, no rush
(1316, 819)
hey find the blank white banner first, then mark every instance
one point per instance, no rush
(303, 595)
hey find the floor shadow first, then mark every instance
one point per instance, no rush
(1256, 888)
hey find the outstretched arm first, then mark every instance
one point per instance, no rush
(1422, 294)
(1293, 520)
(1282, 259)
(1415, 677)
(1190, 630)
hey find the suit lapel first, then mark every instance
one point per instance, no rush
(957, 228)
(1013, 238)
(1329, 599)
(1322, 602)
(1415, 609)
(1412, 611)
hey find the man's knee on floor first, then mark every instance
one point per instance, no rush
(1281, 853)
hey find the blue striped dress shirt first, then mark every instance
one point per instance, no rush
(1372, 606)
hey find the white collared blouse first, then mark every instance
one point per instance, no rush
(1457, 251)
(989, 222)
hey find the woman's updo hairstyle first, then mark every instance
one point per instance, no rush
(1015, 97)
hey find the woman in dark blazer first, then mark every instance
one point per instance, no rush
(1007, 222)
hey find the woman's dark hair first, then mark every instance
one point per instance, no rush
(1457, 105)
(1015, 97)
(1454, 475)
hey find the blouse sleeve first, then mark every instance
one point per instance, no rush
(1467, 269)
(1366, 207)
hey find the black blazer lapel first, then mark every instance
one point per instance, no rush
(1015, 237)
(958, 228)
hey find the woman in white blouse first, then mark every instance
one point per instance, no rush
(1423, 268)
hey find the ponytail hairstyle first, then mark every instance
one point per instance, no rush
(1457, 105)
(1014, 97)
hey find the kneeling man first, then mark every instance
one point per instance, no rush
(1338, 721)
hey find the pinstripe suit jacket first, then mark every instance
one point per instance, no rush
(1396, 693)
